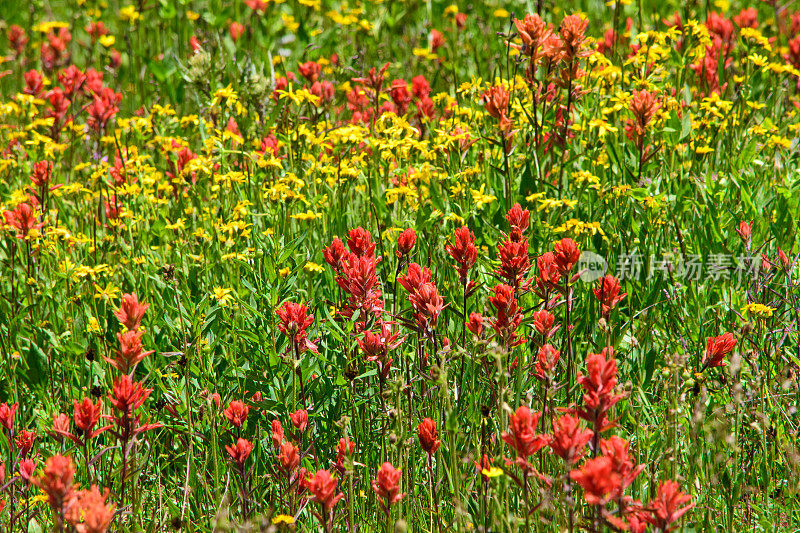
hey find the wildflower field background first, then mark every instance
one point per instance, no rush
(312, 265)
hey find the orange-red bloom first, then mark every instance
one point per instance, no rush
(428, 437)
(131, 311)
(716, 350)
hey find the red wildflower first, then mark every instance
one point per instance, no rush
(414, 278)
(7, 415)
(56, 481)
(405, 242)
(335, 254)
(618, 450)
(360, 242)
(26, 468)
(86, 416)
(607, 292)
(277, 433)
(387, 485)
(236, 413)
(598, 480)
(744, 230)
(289, 457)
(667, 505)
(24, 219)
(89, 513)
(522, 436)
(131, 352)
(428, 305)
(598, 386)
(514, 262)
(480, 466)
(294, 322)
(569, 438)
(508, 316)
(310, 70)
(495, 100)
(131, 311)
(549, 271)
(400, 95)
(376, 346)
(716, 350)
(546, 362)
(344, 449)
(543, 322)
(566, 254)
(323, 486)
(24, 441)
(519, 219)
(300, 419)
(240, 452)
(475, 324)
(428, 437)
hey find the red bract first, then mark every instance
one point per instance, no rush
(323, 486)
(617, 449)
(277, 433)
(7, 415)
(131, 311)
(522, 436)
(127, 395)
(335, 254)
(607, 293)
(566, 254)
(102, 108)
(131, 352)
(360, 242)
(300, 419)
(400, 96)
(508, 316)
(546, 362)
(598, 386)
(376, 346)
(294, 323)
(405, 242)
(428, 437)
(543, 322)
(569, 438)
(428, 305)
(549, 271)
(289, 457)
(236, 413)
(56, 481)
(387, 485)
(483, 465)
(464, 252)
(24, 219)
(89, 513)
(475, 324)
(667, 506)
(343, 449)
(240, 452)
(86, 416)
(24, 441)
(414, 278)
(26, 468)
(495, 100)
(359, 280)
(716, 350)
(310, 70)
(514, 263)
(519, 219)
(598, 480)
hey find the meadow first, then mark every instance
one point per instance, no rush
(399, 266)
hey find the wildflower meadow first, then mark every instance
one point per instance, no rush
(399, 266)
